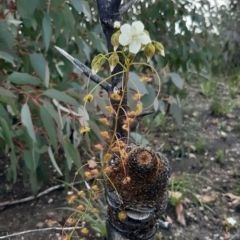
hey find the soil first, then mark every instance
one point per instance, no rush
(192, 151)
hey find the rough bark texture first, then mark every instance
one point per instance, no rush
(136, 192)
(136, 188)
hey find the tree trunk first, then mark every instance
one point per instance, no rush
(136, 189)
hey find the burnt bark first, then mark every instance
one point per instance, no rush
(136, 191)
(136, 187)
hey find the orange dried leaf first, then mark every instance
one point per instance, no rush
(125, 127)
(128, 120)
(137, 96)
(104, 121)
(110, 109)
(50, 223)
(107, 170)
(115, 149)
(81, 193)
(131, 114)
(176, 195)
(71, 199)
(98, 147)
(105, 134)
(180, 214)
(94, 172)
(95, 188)
(81, 208)
(126, 180)
(207, 199)
(87, 174)
(169, 219)
(120, 143)
(107, 156)
(71, 221)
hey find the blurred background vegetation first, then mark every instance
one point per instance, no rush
(41, 93)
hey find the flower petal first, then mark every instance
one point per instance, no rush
(137, 27)
(125, 28)
(134, 47)
(124, 39)
(144, 38)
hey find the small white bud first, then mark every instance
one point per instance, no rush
(116, 24)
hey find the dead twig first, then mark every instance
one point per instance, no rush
(41, 230)
(8, 203)
(85, 70)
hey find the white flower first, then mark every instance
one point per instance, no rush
(231, 221)
(116, 24)
(134, 36)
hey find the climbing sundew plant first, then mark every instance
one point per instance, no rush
(132, 175)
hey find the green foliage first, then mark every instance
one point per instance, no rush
(201, 145)
(41, 94)
(221, 108)
(220, 156)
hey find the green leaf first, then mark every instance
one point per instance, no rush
(26, 8)
(7, 57)
(175, 110)
(34, 183)
(77, 5)
(27, 121)
(40, 66)
(6, 35)
(72, 153)
(86, 10)
(6, 133)
(177, 80)
(138, 138)
(6, 93)
(51, 110)
(54, 161)
(4, 114)
(149, 98)
(49, 126)
(23, 78)
(135, 84)
(47, 30)
(28, 160)
(13, 166)
(60, 96)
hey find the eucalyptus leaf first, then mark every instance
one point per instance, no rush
(40, 66)
(135, 84)
(7, 57)
(54, 161)
(49, 126)
(47, 30)
(175, 110)
(23, 78)
(14, 163)
(60, 96)
(138, 138)
(6, 132)
(7, 93)
(27, 121)
(177, 80)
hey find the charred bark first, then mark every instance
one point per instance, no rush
(136, 191)
(136, 188)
